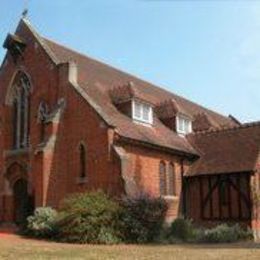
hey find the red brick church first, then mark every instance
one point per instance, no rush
(69, 123)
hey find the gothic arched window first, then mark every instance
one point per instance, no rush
(162, 175)
(171, 180)
(21, 110)
(82, 157)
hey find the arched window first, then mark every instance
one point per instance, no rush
(162, 173)
(82, 157)
(21, 111)
(15, 123)
(171, 180)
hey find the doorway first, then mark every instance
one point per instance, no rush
(22, 201)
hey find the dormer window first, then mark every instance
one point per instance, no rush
(183, 125)
(129, 100)
(142, 112)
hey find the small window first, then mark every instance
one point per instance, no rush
(171, 191)
(184, 125)
(162, 176)
(142, 112)
(137, 110)
(146, 113)
(82, 157)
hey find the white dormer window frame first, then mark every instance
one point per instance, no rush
(183, 125)
(142, 112)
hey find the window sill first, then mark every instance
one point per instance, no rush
(183, 134)
(16, 152)
(139, 122)
(170, 197)
(81, 180)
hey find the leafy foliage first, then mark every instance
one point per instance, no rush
(96, 218)
(182, 229)
(42, 223)
(89, 218)
(142, 218)
(224, 234)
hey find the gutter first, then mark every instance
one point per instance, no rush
(220, 173)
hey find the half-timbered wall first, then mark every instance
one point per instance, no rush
(224, 197)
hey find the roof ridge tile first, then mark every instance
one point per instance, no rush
(227, 128)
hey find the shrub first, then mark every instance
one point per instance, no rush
(142, 218)
(182, 229)
(224, 234)
(89, 218)
(42, 223)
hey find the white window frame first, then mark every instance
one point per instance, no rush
(181, 128)
(141, 118)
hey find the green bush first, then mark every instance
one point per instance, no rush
(224, 234)
(42, 223)
(142, 218)
(95, 218)
(182, 229)
(89, 218)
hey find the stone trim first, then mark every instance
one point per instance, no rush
(45, 47)
(16, 152)
(130, 185)
(72, 75)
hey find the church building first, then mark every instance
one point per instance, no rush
(69, 123)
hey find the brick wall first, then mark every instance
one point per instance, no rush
(80, 124)
(54, 171)
(143, 168)
(43, 77)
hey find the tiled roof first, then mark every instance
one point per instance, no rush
(126, 92)
(203, 122)
(93, 72)
(169, 108)
(96, 80)
(230, 150)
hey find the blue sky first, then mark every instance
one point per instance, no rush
(207, 51)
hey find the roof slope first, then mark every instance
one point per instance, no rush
(230, 150)
(96, 79)
(93, 71)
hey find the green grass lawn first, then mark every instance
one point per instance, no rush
(14, 247)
